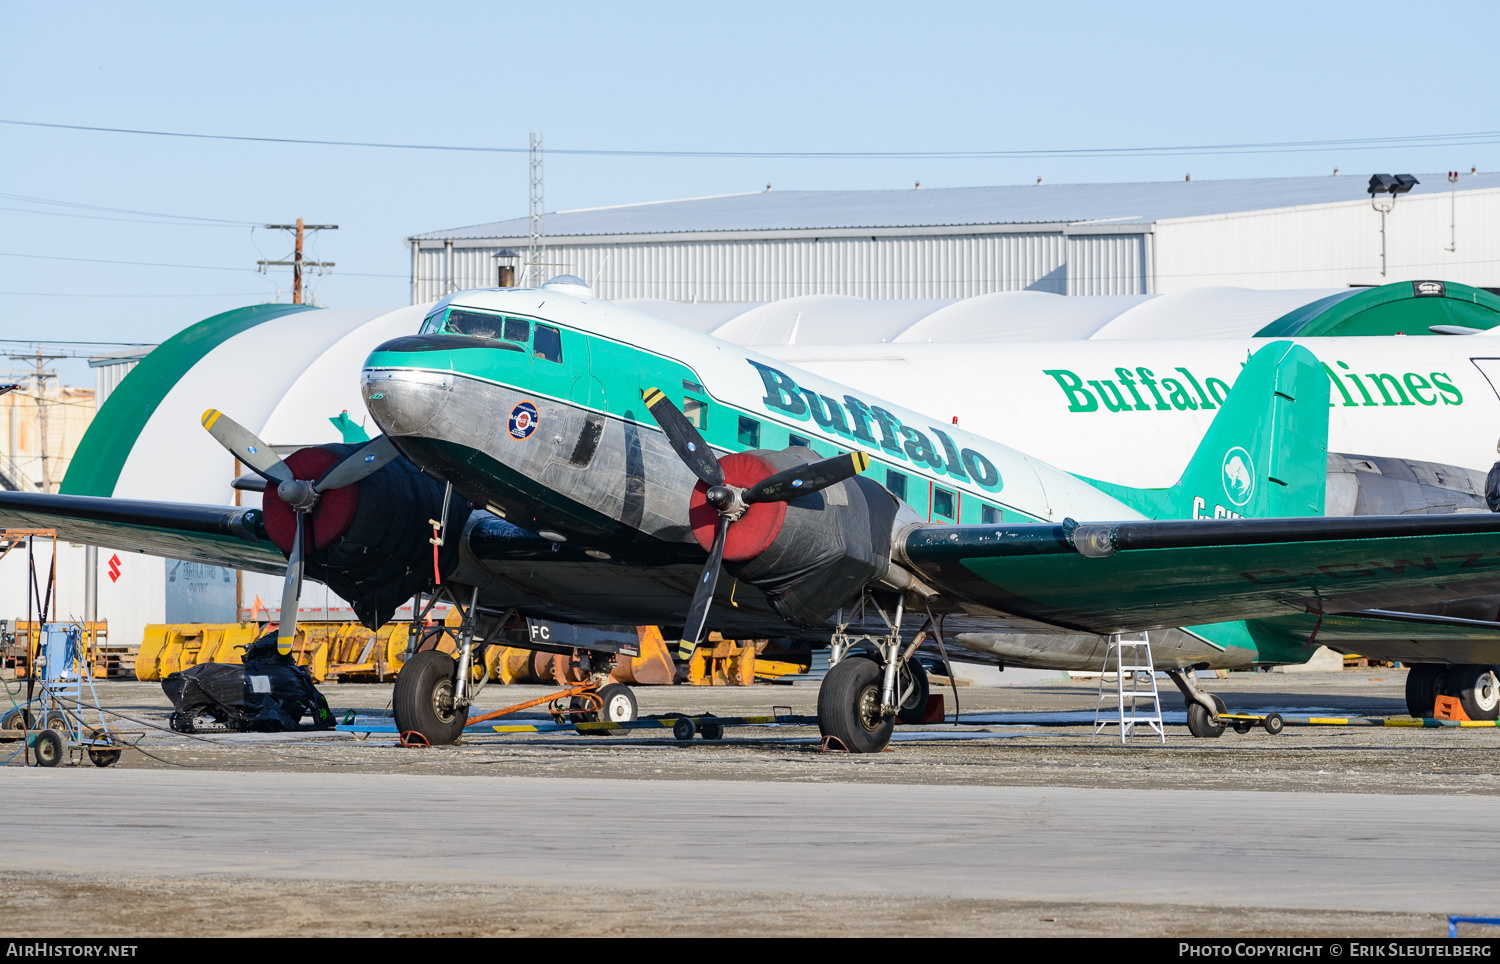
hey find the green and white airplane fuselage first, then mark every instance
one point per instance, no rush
(530, 402)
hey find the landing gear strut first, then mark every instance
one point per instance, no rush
(871, 681)
(1203, 708)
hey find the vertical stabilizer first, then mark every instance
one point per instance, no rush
(1266, 453)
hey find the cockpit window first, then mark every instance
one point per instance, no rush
(548, 343)
(477, 324)
(433, 322)
(517, 330)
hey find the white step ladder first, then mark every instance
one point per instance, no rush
(1141, 673)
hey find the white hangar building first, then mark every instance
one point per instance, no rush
(954, 243)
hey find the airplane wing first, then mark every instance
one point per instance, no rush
(1131, 576)
(1394, 635)
(219, 535)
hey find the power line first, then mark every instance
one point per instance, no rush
(97, 207)
(162, 264)
(53, 341)
(77, 294)
(1461, 139)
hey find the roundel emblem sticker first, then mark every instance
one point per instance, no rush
(522, 420)
(1239, 476)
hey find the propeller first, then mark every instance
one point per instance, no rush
(732, 501)
(300, 494)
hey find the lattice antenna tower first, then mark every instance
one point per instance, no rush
(534, 249)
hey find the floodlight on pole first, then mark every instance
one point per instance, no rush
(1394, 185)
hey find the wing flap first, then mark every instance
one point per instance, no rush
(1131, 576)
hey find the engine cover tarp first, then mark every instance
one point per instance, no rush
(267, 693)
(831, 544)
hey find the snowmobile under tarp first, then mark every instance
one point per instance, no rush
(266, 693)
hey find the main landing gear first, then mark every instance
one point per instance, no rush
(872, 681)
(435, 692)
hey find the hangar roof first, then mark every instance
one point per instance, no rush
(1122, 204)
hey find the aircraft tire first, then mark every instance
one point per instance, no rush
(849, 706)
(49, 748)
(1424, 682)
(423, 700)
(1477, 688)
(1200, 725)
(915, 706)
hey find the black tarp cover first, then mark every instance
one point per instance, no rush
(267, 693)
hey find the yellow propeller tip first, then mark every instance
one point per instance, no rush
(209, 417)
(652, 396)
(861, 461)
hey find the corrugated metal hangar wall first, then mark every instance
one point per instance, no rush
(1093, 239)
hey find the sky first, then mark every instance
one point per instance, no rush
(772, 77)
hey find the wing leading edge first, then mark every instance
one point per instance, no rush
(1131, 576)
(218, 535)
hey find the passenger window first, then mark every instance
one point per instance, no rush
(896, 482)
(798, 440)
(517, 330)
(749, 432)
(548, 344)
(696, 412)
(942, 503)
(474, 323)
(989, 515)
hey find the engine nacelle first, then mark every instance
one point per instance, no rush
(368, 541)
(809, 555)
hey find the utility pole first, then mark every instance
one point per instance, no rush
(538, 215)
(41, 377)
(299, 229)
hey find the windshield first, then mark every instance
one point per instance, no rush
(478, 324)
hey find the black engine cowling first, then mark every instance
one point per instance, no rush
(810, 555)
(368, 542)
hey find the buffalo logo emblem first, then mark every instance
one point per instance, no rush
(522, 420)
(1239, 475)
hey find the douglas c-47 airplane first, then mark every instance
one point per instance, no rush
(595, 466)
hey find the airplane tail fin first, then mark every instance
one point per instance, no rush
(1266, 453)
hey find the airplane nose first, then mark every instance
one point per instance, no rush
(405, 401)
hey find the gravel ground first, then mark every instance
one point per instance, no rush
(1301, 759)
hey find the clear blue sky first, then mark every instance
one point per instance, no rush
(763, 77)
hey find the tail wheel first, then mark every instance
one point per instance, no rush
(849, 706)
(914, 707)
(49, 748)
(1199, 723)
(1477, 688)
(423, 701)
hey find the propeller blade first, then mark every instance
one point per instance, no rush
(692, 631)
(245, 446)
(803, 479)
(685, 439)
(363, 461)
(291, 592)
